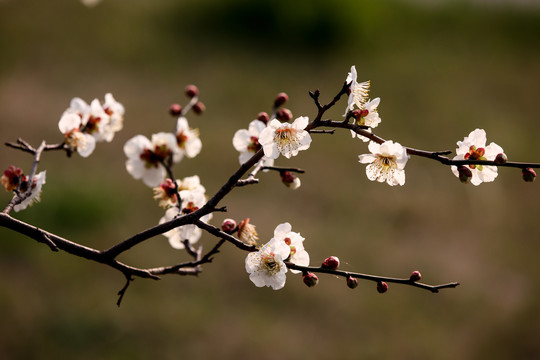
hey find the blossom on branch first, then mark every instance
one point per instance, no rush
(358, 91)
(35, 188)
(367, 116)
(298, 255)
(246, 141)
(70, 125)
(166, 191)
(115, 110)
(386, 162)
(191, 201)
(473, 147)
(146, 158)
(284, 138)
(187, 140)
(266, 266)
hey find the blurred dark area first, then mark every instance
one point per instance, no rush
(441, 69)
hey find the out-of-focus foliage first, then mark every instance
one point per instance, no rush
(441, 70)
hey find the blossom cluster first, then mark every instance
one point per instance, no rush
(85, 124)
(266, 267)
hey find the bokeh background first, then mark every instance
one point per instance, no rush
(441, 68)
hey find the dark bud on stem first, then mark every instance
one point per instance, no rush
(465, 174)
(501, 159)
(281, 99)
(175, 109)
(416, 276)
(331, 263)
(382, 287)
(284, 115)
(199, 108)
(228, 226)
(262, 116)
(352, 282)
(528, 174)
(191, 91)
(310, 279)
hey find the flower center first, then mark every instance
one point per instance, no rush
(254, 146)
(190, 207)
(386, 162)
(75, 139)
(475, 154)
(92, 124)
(181, 139)
(286, 139)
(153, 158)
(270, 263)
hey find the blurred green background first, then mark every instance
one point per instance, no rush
(442, 69)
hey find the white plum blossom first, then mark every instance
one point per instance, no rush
(246, 141)
(37, 184)
(359, 91)
(191, 201)
(284, 138)
(187, 139)
(70, 124)
(298, 254)
(266, 266)
(369, 116)
(145, 157)
(473, 147)
(386, 162)
(166, 191)
(115, 110)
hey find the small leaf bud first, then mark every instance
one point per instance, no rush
(528, 174)
(310, 279)
(382, 287)
(501, 159)
(290, 180)
(331, 263)
(262, 116)
(416, 276)
(191, 91)
(175, 109)
(284, 115)
(199, 108)
(465, 174)
(352, 282)
(228, 226)
(281, 99)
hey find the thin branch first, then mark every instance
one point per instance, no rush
(346, 274)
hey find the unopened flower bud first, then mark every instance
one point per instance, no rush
(11, 178)
(352, 282)
(331, 262)
(465, 174)
(262, 116)
(284, 115)
(191, 91)
(415, 276)
(199, 108)
(228, 226)
(382, 287)
(281, 99)
(175, 109)
(528, 174)
(310, 279)
(247, 232)
(290, 180)
(501, 159)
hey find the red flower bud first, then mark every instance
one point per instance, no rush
(310, 279)
(382, 287)
(501, 159)
(331, 262)
(228, 226)
(199, 108)
(281, 99)
(465, 174)
(284, 115)
(415, 276)
(175, 109)
(352, 282)
(528, 174)
(191, 91)
(262, 116)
